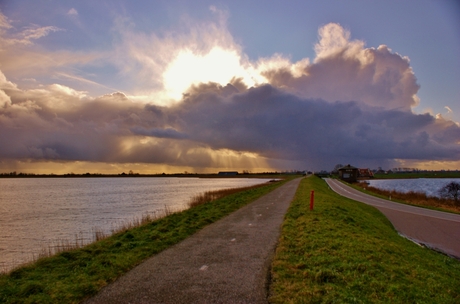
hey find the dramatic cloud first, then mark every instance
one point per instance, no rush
(164, 65)
(345, 70)
(264, 121)
(351, 104)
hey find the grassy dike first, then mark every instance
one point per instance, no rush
(72, 276)
(347, 252)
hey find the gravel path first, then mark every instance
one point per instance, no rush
(226, 262)
(434, 229)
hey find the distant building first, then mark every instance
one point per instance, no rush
(365, 173)
(349, 173)
(228, 173)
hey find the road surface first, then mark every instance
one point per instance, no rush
(226, 262)
(434, 229)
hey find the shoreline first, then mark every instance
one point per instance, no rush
(136, 175)
(83, 272)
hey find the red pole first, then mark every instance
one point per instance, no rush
(312, 199)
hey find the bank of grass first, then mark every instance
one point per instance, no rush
(347, 252)
(412, 198)
(72, 276)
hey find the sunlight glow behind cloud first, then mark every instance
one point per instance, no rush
(188, 69)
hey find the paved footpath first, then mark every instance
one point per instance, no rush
(226, 262)
(434, 229)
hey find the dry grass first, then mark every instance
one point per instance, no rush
(139, 221)
(63, 245)
(414, 198)
(210, 196)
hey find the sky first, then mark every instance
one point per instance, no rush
(206, 86)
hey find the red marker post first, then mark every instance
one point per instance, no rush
(312, 199)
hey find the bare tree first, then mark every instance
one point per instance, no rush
(450, 191)
(337, 167)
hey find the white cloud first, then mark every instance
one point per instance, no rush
(346, 70)
(343, 69)
(36, 32)
(4, 22)
(72, 12)
(10, 38)
(333, 39)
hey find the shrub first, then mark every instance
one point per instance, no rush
(450, 191)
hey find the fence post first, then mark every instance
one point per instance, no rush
(312, 199)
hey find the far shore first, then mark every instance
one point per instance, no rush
(133, 175)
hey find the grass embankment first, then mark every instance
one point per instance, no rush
(70, 277)
(347, 252)
(412, 198)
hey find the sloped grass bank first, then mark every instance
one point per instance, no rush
(412, 198)
(347, 252)
(72, 276)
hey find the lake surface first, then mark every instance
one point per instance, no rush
(429, 186)
(39, 213)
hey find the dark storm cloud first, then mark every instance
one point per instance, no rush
(276, 124)
(159, 133)
(263, 120)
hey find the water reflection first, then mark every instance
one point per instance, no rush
(429, 186)
(39, 212)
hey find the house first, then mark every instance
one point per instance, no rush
(349, 173)
(365, 173)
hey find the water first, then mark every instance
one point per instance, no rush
(429, 186)
(38, 213)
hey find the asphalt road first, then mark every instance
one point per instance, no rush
(434, 229)
(226, 262)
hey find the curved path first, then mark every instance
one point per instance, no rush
(226, 262)
(434, 229)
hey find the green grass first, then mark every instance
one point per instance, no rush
(72, 276)
(347, 252)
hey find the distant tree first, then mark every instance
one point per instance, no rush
(450, 191)
(337, 167)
